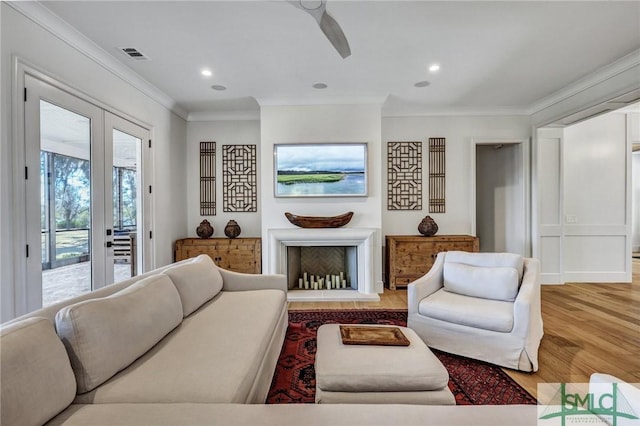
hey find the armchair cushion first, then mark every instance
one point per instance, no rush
(487, 314)
(497, 283)
(488, 260)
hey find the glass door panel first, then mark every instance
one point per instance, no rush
(65, 200)
(125, 200)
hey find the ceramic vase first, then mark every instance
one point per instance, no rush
(428, 227)
(232, 230)
(204, 230)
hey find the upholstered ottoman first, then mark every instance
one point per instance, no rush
(373, 374)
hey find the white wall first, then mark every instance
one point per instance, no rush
(459, 132)
(595, 228)
(500, 198)
(241, 132)
(635, 213)
(35, 45)
(326, 123)
(633, 128)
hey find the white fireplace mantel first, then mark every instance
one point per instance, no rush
(364, 239)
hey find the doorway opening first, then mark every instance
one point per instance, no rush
(83, 207)
(500, 195)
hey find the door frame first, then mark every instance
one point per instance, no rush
(524, 176)
(23, 294)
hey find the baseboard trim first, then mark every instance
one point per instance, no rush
(551, 278)
(597, 277)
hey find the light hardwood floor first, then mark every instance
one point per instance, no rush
(588, 328)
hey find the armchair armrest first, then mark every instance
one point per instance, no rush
(425, 285)
(237, 281)
(526, 307)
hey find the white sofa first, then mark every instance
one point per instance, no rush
(187, 333)
(187, 344)
(484, 306)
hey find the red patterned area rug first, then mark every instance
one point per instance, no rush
(472, 382)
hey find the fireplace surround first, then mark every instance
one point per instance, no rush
(359, 245)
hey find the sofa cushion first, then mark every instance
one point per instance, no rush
(489, 260)
(105, 335)
(197, 282)
(498, 283)
(223, 345)
(487, 314)
(189, 414)
(37, 379)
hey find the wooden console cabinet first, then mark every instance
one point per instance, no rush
(237, 254)
(410, 257)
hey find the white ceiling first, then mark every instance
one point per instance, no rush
(494, 56)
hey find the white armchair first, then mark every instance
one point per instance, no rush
(484, 306)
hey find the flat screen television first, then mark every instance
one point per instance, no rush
(320, 170)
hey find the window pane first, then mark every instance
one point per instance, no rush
(65, 178)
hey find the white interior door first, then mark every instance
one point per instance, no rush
(89, 189)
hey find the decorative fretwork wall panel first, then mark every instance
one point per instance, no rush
(239, 178)
(207, 178)
(404, 175)
(436, 175)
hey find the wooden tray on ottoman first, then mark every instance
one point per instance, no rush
(380, 336)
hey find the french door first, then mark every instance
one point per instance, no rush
(84, 198)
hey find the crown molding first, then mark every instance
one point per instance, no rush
(51, 22)
(457, 112)
(323, 100)
(241, 115)
(608, 71)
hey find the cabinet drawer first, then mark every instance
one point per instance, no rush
(401, 282)
(239, 254)
(410, 257)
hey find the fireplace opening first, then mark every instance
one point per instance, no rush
(322, 267)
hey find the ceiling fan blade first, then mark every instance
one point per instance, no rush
(327, 24)
(334, 33)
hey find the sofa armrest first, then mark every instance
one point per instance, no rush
(601, 386)
(527, 318)
(237, 281)
(425, 285)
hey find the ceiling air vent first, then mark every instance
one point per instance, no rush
(134, 53)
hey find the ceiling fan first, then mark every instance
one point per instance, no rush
(328, 25)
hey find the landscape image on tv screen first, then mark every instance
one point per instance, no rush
(307, 170)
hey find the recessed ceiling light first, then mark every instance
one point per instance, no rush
(320, 86)
(434, 67)
(218, 87)
(206, 73)
(424, 83)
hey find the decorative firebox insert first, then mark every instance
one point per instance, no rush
(322, 267)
